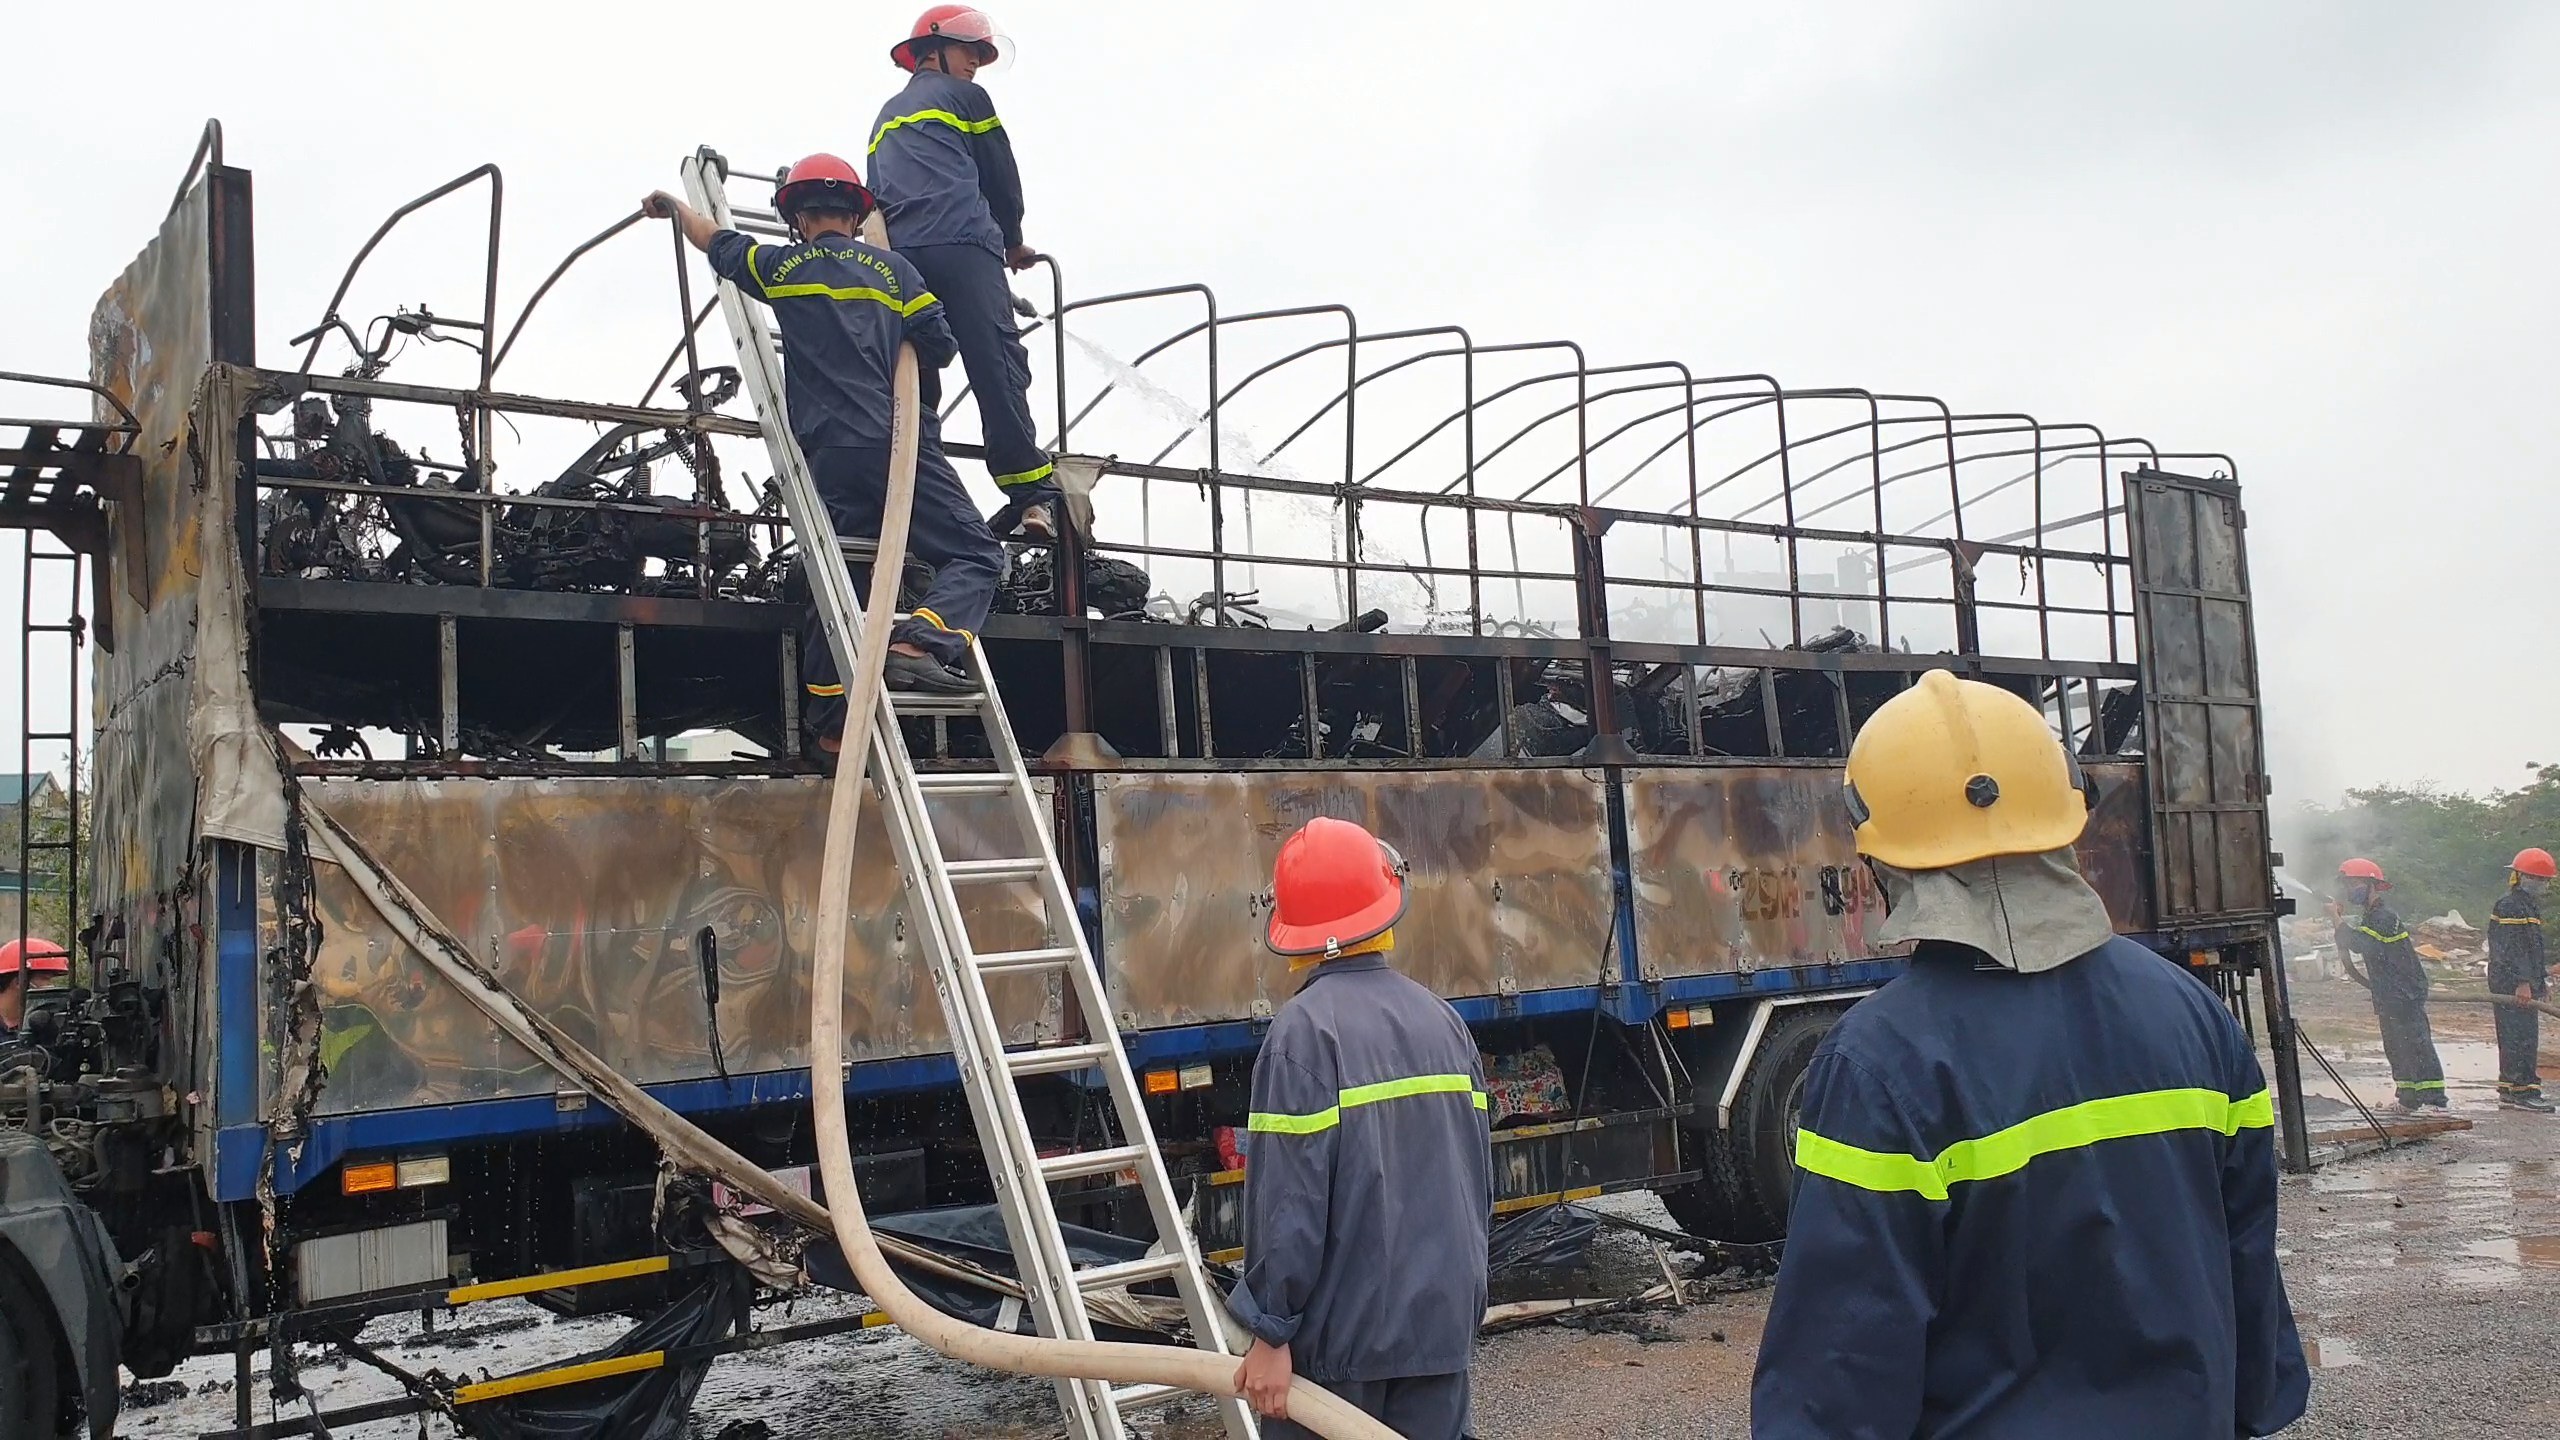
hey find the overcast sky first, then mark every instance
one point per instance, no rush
(2314, 236)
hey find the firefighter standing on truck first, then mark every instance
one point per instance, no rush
(2520, 971)
(2396, 982)
(2037, 1188)
(844, 308)
(1368, 1183)
(952, 198)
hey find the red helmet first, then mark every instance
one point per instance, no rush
(1334, 885)
(820, 174)
(2535, 861)
(2363, 869)
(41, 956)
(965, 23)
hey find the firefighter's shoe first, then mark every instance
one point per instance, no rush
(1031, 515)
(2532, 1104)
(926, 675)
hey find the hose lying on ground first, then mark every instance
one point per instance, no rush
(1121, 1364)
(2446, 997)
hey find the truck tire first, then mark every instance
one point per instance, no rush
(30, 1362)
(1750, 1169)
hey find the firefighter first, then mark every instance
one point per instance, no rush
(2520, 971)
(844, 306)
(1368, 1164)
(952, 197)
(21, 962)
(2397, 982)
(2036, 1189)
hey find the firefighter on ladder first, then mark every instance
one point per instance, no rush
(1368, 1183)
(2397, 984)
(844, 307)
(951, 196)
(2036, 1190)
(2519, 970)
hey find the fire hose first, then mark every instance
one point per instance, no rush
(1117, 1363)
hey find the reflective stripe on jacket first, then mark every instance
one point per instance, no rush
(843, 307)
(943, 167)
(2032, 1206)
(1368, 1180)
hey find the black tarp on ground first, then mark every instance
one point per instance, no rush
(645, 1405)
(1551, 1237)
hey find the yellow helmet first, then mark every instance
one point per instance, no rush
(1952, 771)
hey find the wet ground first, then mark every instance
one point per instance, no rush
(2426, 1279)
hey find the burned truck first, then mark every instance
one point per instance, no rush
(1587, 641)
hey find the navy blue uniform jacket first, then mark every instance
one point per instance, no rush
(943, 168)
(2515, 944)
(1368, 1180)
(843, 307)
(2032, 1206)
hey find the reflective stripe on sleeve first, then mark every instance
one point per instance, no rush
(1265, 1123)
(1027, 477)
(2117, 1117)
(933, 117)
(2378, 935)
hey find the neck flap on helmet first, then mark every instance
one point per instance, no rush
(2027, 912)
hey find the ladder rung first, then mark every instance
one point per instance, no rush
(1055, 1060)
(923, 703)
(1082, 1163)
(966, 782)
(1145, 1397)
(1129, 1272)
(988, 872)
(1023, 962)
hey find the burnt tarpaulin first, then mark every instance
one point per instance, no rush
(975, 1233)
(648, 1404)
(1551, 1237)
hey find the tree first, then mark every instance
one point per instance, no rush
(57, 889)
(2443, 851)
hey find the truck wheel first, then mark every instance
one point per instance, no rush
(1703, 1209)
(1750, 1169)
(1760, 1149)
(30, 1365)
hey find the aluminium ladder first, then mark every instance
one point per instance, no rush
(989, 1073)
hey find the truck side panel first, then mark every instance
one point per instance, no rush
(1509, 890)
(593, 897)
(150, 339)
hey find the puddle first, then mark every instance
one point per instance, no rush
(2331, 1353)
(2531, 1252)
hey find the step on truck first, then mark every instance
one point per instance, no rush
(1585, 638)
